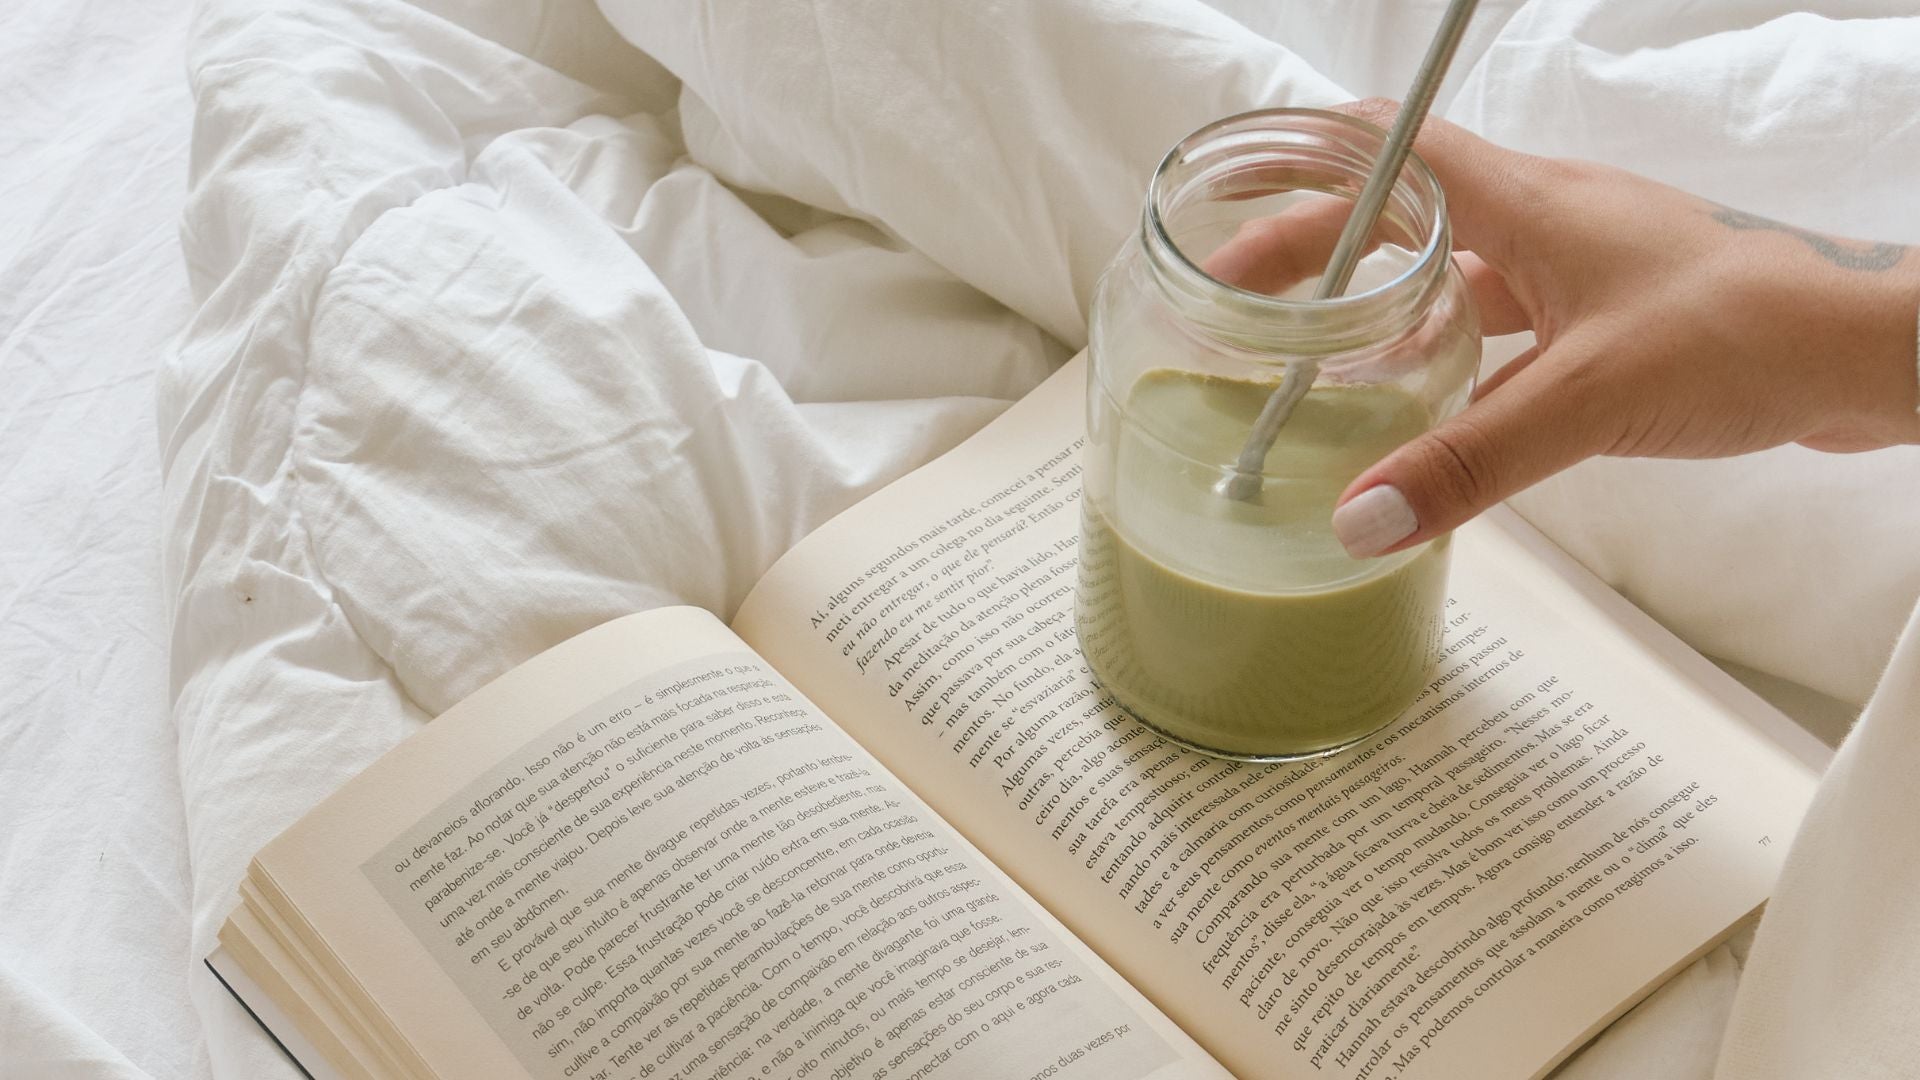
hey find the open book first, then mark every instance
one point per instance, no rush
(886, 825)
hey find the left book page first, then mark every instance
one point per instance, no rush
(644, 854)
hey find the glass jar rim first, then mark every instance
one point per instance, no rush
(1332, 325)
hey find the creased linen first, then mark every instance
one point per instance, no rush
(1835, 971)
(94, 957)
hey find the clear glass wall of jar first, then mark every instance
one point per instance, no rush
(1240, 626)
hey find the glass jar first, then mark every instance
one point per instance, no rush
(1240, 626)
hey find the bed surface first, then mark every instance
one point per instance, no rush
(93, 868)
(519, 266)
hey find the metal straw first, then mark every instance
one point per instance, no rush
(1244, 481)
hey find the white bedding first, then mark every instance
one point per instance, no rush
(94, 956)
(501, 333)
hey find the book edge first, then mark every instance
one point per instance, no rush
(1755, 712)
(261, 1009)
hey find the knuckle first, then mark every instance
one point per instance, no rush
(1378, 111)
(1463, 464)
(1564, 172)
(1555, 185)
(1262, 232)
(1560, 184)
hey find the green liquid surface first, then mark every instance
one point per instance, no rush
(1242, 626)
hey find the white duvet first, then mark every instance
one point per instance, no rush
(510, 324)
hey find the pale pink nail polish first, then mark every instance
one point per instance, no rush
(1373, 521)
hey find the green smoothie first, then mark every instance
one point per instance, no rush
(1242, 626)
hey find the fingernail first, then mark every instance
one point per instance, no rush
(1373, 521)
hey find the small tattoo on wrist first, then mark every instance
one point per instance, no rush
(1844, 254)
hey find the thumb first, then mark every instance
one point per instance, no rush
(1537, 424)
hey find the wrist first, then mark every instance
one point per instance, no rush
(1897, 356)
(1876, 349)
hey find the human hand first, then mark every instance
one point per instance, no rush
(1666, 326)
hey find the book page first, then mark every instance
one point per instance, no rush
(1564, 817)
(644, 854)
(265, 1011)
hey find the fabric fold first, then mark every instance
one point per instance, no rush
(1009, 141)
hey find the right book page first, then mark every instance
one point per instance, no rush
(1577, 806)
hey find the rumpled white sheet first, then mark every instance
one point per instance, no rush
(1835, 969)
(501, 336)
(94, 957)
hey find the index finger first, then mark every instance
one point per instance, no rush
(1483, 183)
